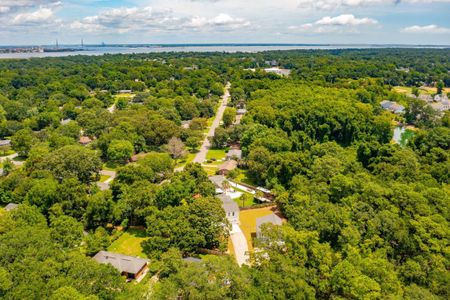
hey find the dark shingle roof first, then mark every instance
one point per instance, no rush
(123, 263)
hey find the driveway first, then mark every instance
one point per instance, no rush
(201, 155)
(240, 245)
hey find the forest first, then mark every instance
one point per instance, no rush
(96, 148)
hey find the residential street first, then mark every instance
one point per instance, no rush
(201, 155)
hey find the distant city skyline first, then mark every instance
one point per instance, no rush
(42, 22)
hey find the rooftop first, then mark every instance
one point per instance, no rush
(229, 165)
(272, 219)
(5, 142)
(123, 263)
(11, 206)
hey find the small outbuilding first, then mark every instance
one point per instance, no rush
(11, 206)
(234, 154)
(85, 140)
(269, 219)
(227, 167)
(5, 143)
(130, 266)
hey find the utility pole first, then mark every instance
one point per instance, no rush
(57, 46)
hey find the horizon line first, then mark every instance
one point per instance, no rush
(227, 44)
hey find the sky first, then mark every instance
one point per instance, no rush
(41, 22)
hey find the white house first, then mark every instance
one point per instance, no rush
(230, 207)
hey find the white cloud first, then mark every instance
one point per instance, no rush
(123, 20)
(433, 29)
(346, 20)
(221, 21)
(332, 4)
(38, 16)
(342, 23)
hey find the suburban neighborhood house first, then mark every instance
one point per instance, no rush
(392, 106)
(234, 154)
(269, 219)
(227, 167)
(130, 266)
(218, 181)
(230, 207)
(439, 103)
(11, 206)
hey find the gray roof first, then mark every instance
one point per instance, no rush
(123, 263)
(11, 206)
(218, 180)
(192, 259)
(5, 142)
(272, 218)
(234, 153)
(228, 204)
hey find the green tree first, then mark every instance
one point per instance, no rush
(229, 116)
(120, 150)
(22, 141)
(73, 162)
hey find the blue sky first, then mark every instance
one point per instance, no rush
(26, 22)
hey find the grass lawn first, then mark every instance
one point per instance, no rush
(186, 160)
(129, 243)
(110, 166)
(248, 222)
(406, 136)
(126, 95)
(6, 153)
(103, 178)
(248, 202)
(216, 154)
(210, 170)
(244, 178)
(423, 90)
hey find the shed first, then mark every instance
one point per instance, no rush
(85, 140)
(130, 266)
(11, 206)
(272, 219)
(227, 167)
(234, 154)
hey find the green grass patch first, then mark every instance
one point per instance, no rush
(216, 154)
(7, 152)
(248, 201)
(188, 159)
(103, 178)
(111, 166)
(406, 136)
(129, 243)
(244, 177)
(210, 170)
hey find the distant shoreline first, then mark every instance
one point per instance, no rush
(170, 45)
(27, 52)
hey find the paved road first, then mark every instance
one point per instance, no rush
(240, 245)
(201, 155)
(105, 185)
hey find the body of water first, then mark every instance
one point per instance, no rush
(228, 48)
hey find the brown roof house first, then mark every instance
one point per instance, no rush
(130, 266)
(85, 140)
(227, 167)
